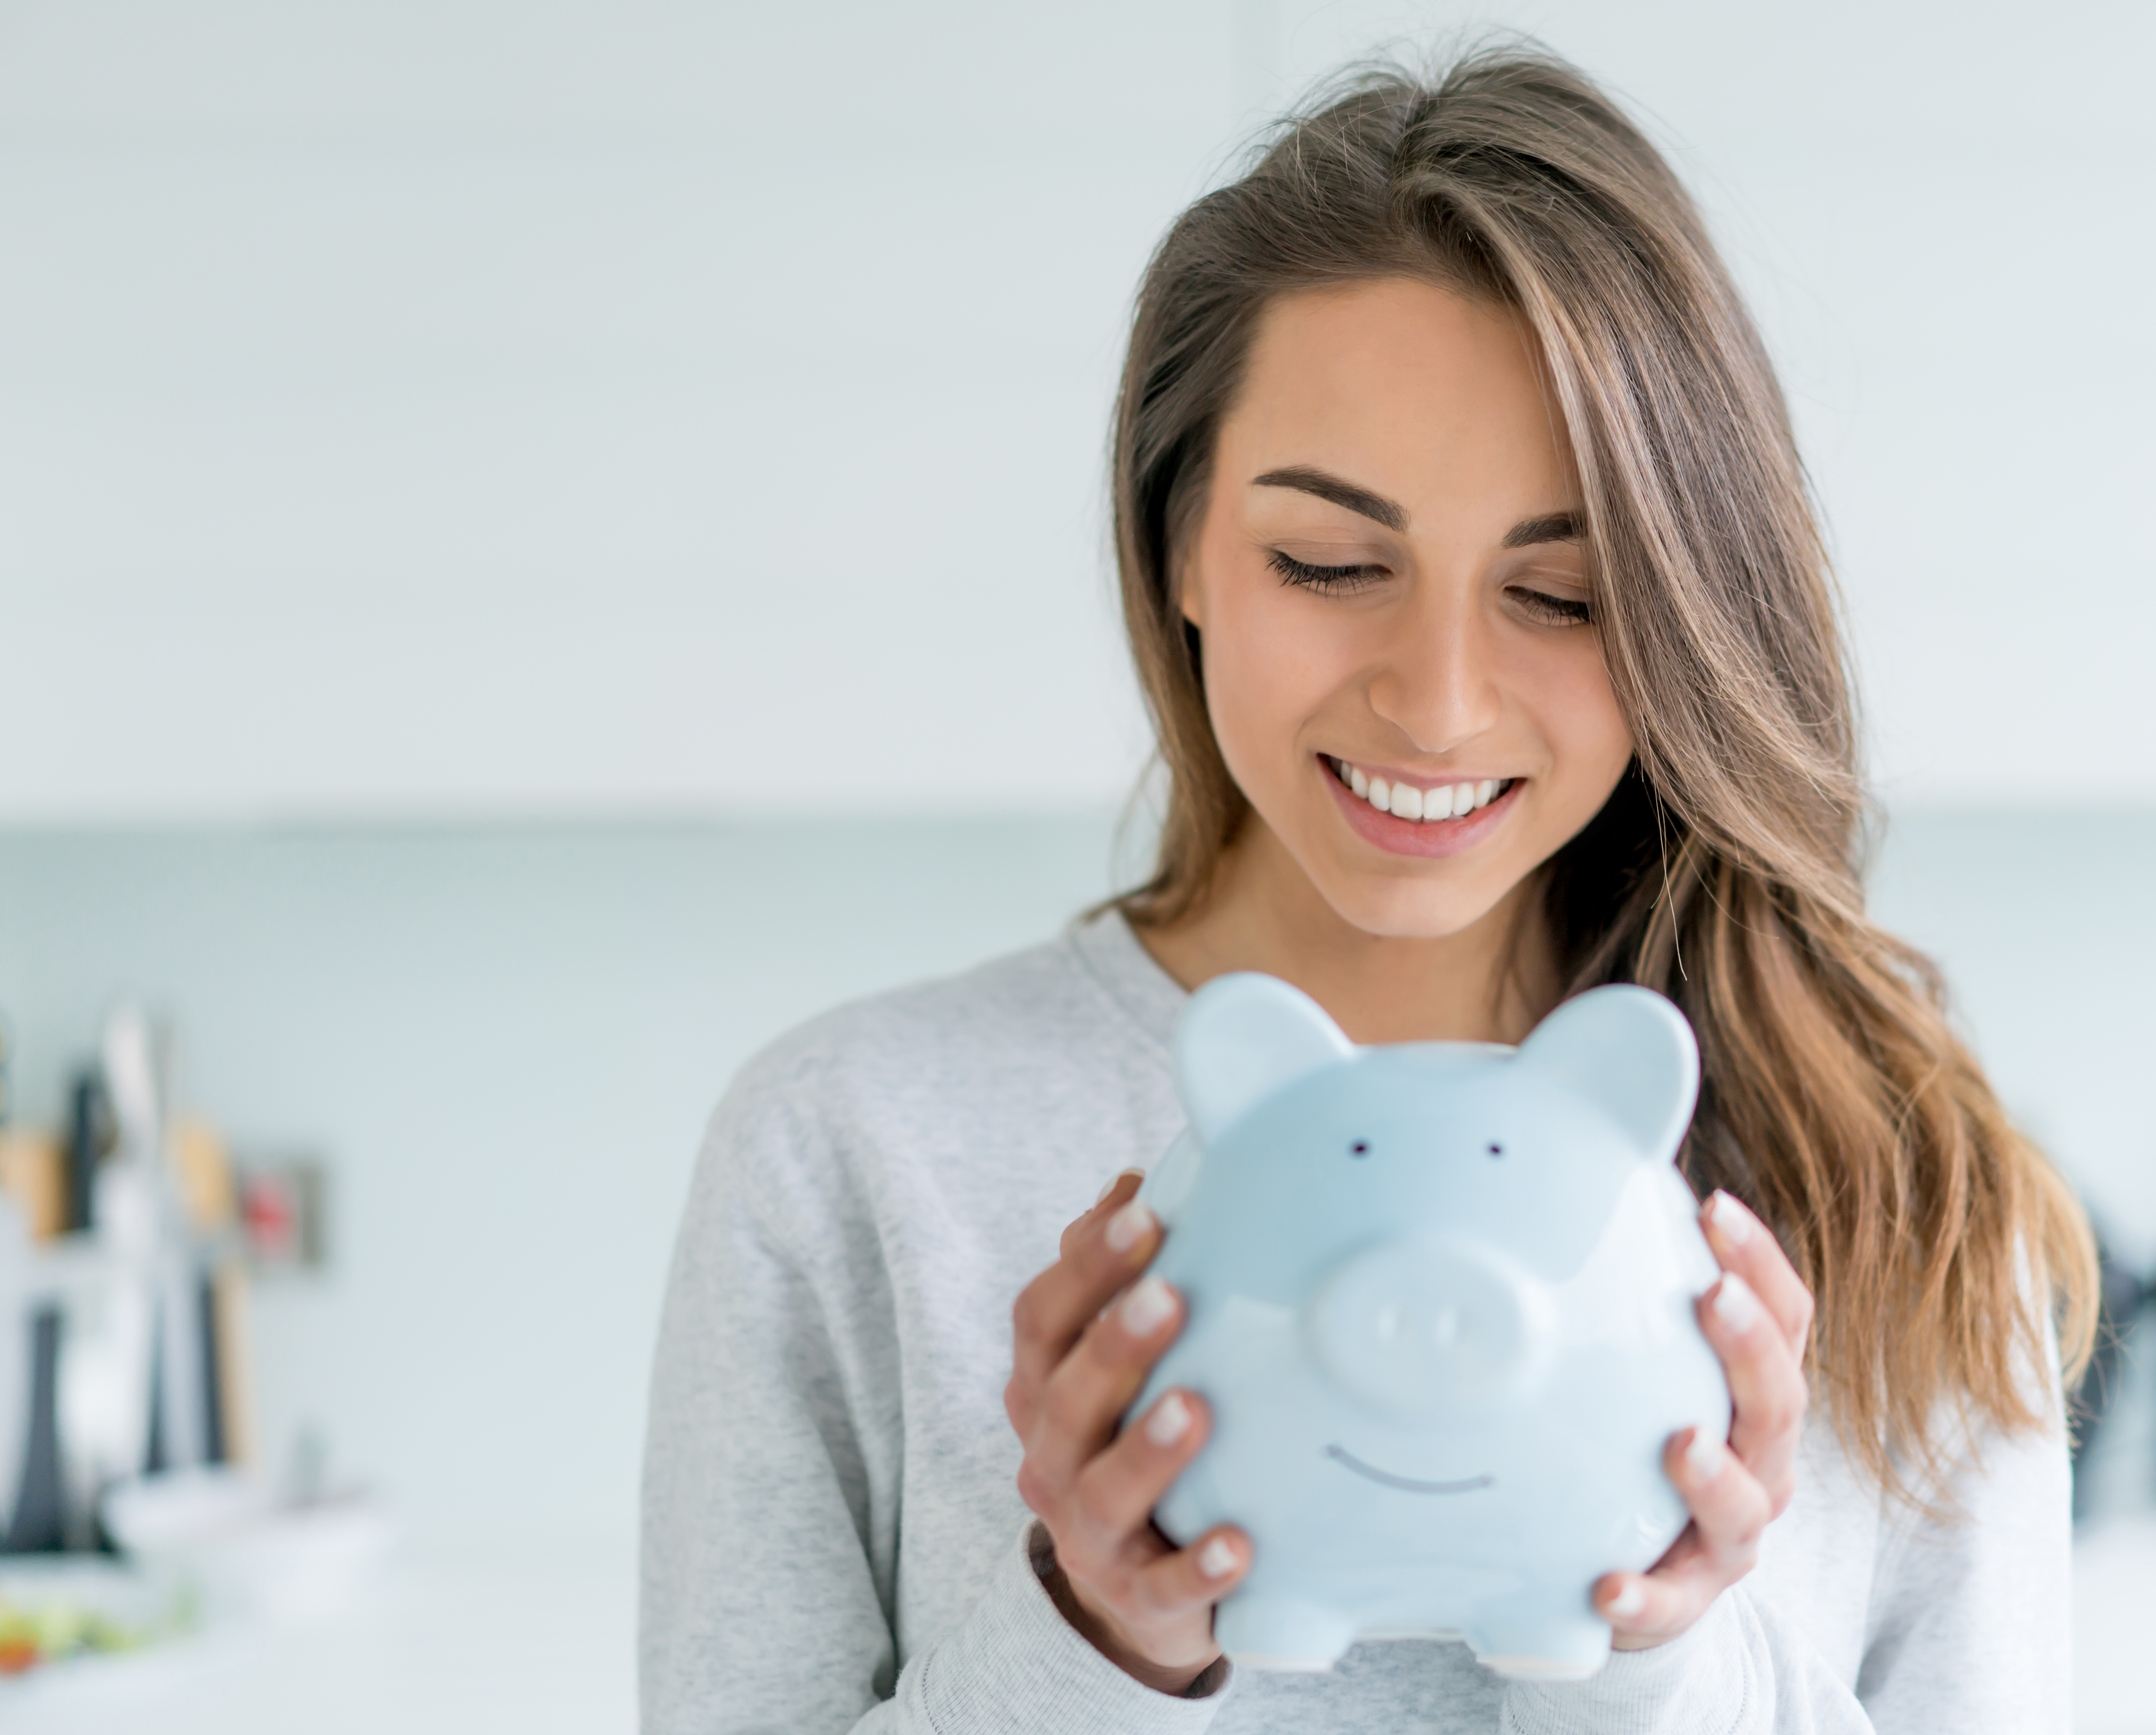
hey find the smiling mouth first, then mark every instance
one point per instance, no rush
(1404, 801)
(1405, 1484)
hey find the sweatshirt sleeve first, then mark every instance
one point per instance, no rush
(770, 1521)
(1971, 1618)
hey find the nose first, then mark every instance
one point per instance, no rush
(1436, 683)
(1418, 1328)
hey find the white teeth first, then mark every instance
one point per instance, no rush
(1448, 801)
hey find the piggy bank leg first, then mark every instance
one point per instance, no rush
(1538, 1642)
(1268, 1632)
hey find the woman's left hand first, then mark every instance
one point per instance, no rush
(1757, 1318)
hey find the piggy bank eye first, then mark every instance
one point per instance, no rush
(1496, 1150)
(1361, 1148)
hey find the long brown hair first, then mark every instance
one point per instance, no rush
(1837, 1102)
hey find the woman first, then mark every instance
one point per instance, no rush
(1471, 580)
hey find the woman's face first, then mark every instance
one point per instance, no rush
(1391, 594)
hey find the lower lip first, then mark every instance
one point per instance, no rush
(1420, 837)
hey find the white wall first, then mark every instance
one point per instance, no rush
(503, 1043)
(587, 408)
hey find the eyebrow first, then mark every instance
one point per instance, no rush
(1389, 513)
(1550, 527)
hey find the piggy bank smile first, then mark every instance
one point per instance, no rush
(1406, 1484)
(1440, 1301)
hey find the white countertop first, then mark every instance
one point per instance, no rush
(448, 1638)
(452, 1638)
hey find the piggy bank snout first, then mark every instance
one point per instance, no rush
(1417, 1326)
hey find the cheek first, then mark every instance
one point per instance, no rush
(1265, 676)
(1583, 720)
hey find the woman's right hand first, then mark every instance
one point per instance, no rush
(1083, 1338)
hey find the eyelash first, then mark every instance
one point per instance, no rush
(1554, 611)
(1333, 580)
(1341, 581)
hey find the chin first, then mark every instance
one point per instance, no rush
(1401, 907)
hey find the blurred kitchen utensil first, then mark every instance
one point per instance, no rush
(16, 1394)
(243, 1548)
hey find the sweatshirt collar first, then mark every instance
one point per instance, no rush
(1114, 957)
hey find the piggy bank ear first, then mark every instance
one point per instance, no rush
(1631, 1052)
(1244, 1037)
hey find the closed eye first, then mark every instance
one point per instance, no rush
(1336, 580)
(1552, 611)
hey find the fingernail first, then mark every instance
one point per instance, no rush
(1704, 1452)
(1146, 1309)
(1117, 1181)
(1627, 1603)
(1734, 1304)
(1170, 1420)
(1731, 1217)
(1216, 1559)
(1129, 1226)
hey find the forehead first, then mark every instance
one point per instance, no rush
(1392, 380)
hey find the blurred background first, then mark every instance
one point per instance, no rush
(541, 544)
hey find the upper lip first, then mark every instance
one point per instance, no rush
(1424, 779)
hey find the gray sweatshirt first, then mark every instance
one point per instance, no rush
(832, 1538)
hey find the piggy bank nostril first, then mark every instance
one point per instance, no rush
(1415, 1326)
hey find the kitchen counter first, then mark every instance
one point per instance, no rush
(445, 1638)
(449, 1639)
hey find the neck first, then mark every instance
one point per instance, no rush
(1491, 981)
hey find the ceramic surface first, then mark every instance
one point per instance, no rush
(1440, 1300)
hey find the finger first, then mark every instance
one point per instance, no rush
(1117, 1491)
(1766, 1389)
(1687, 1545)
(1115, 1195)
(1198, 1576)
(1742, 1244)
(1729, 1507)
(1040, 1336)
(1094, 1384)
(1107, 1249)
(1126, 1181)
(1645, 1608)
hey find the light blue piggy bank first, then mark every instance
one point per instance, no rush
(1440, 1300)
